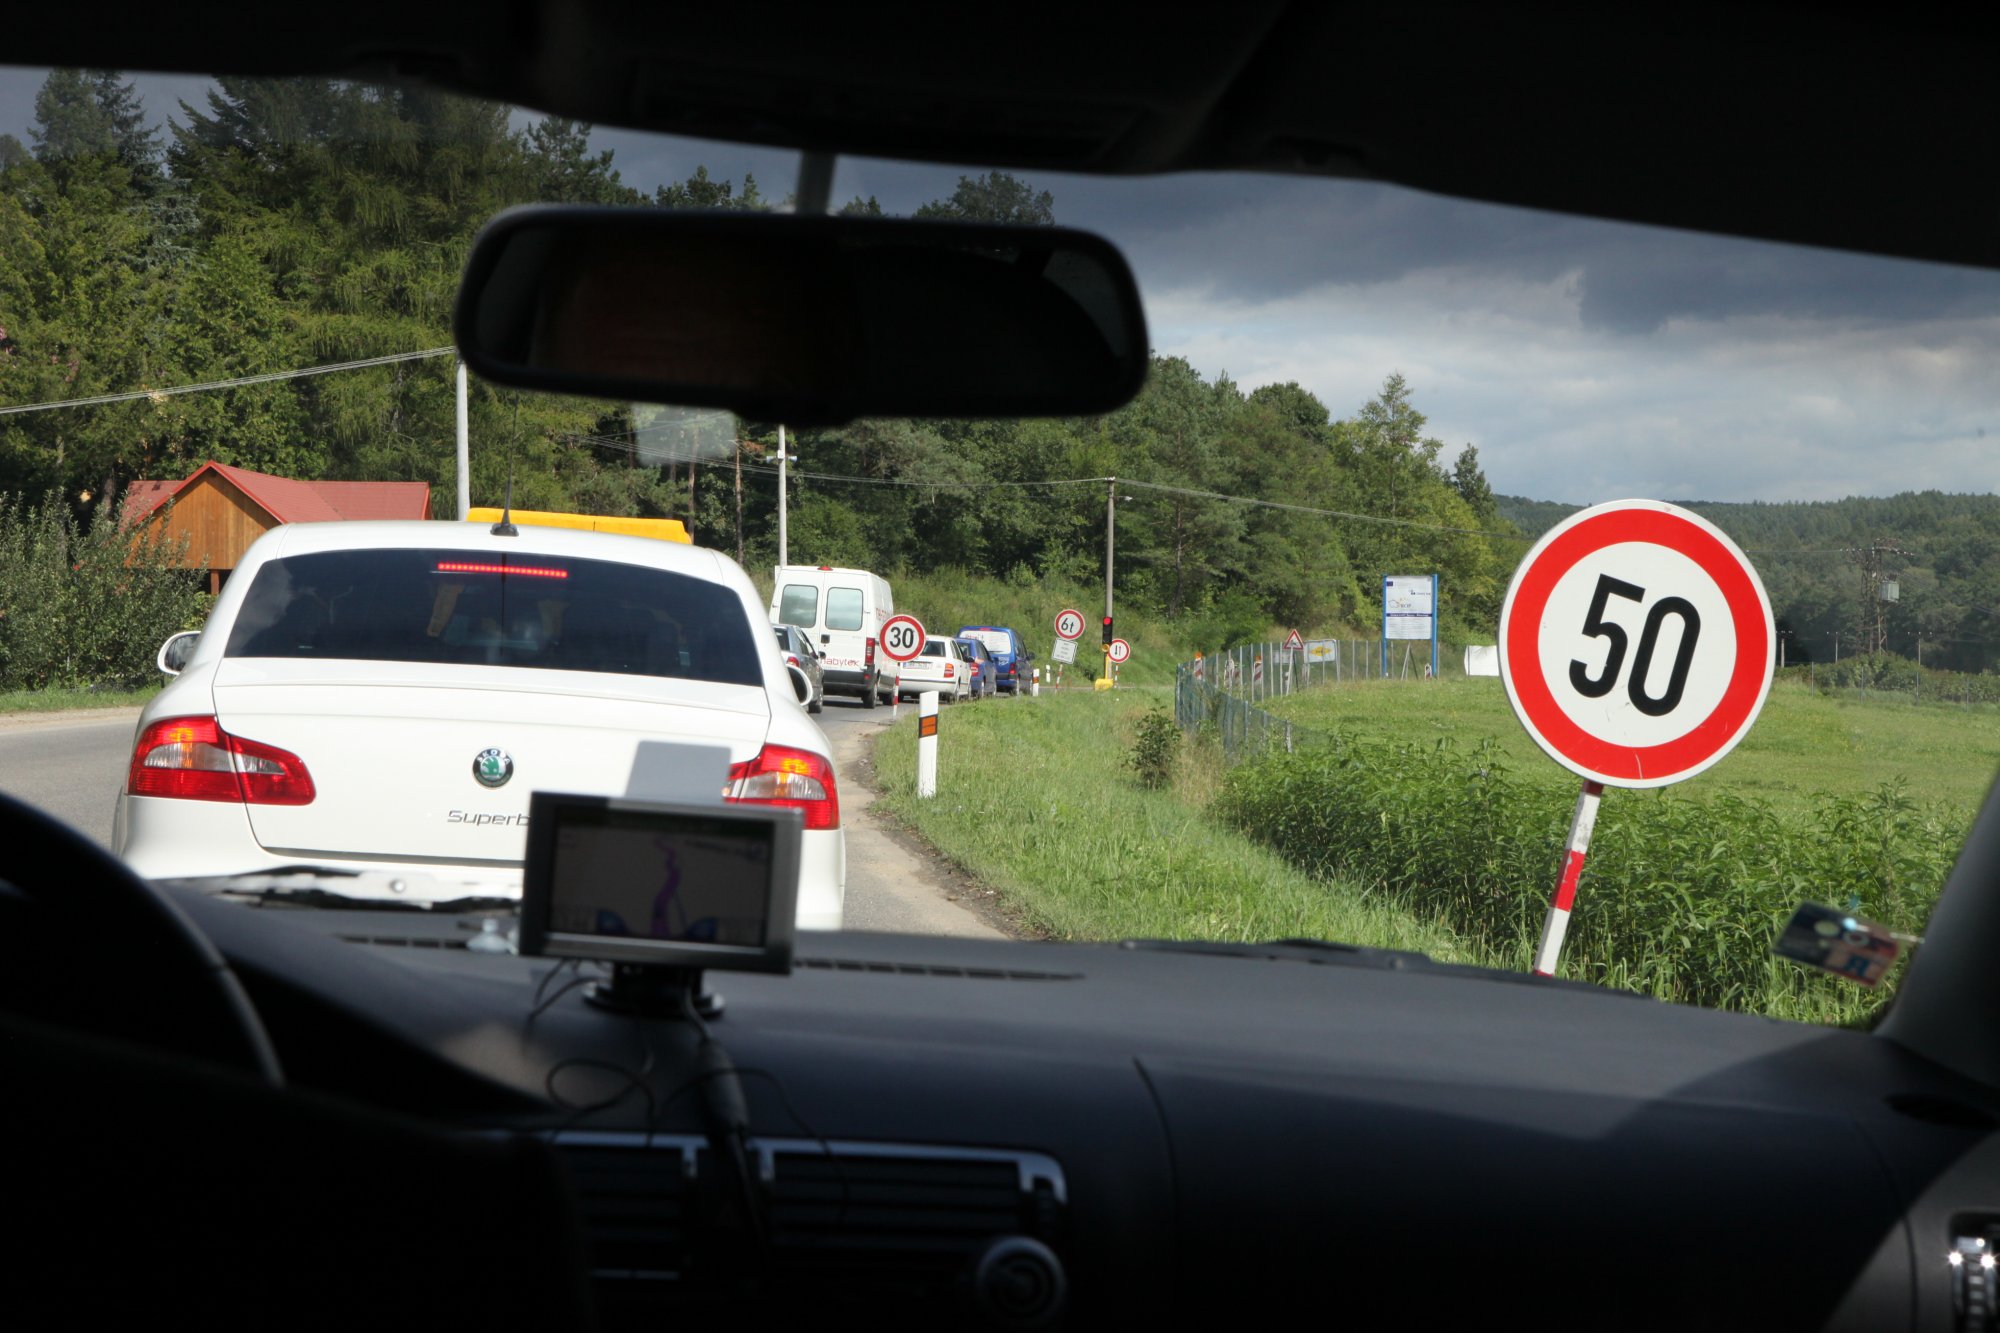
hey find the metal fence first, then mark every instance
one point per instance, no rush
(1224, 689)
(1257, 671)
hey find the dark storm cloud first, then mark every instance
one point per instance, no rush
(1258, 238)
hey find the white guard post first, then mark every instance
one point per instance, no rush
(1035, 683)
(1549, 952)
(927, 718)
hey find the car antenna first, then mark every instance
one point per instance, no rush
(505, 527)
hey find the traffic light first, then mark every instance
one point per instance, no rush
(1107, 631)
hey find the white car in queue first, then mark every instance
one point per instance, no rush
(940, 666)
(382, 697)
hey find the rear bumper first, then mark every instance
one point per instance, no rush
(856, 683)
(168, 839)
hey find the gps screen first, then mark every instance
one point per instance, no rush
(620, 874)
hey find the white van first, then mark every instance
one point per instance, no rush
(843, 610)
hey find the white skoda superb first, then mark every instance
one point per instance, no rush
(382, 698)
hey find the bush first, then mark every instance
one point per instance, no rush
(1681, 898)
(81, 608)
(1158, 746)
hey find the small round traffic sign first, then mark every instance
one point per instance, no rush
(1120, 650)
(902, 638)
(1069, 625)
(1636, 643)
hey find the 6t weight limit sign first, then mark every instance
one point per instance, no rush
(1636, 644)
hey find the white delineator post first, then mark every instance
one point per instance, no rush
(1549, 952)
(927, 718)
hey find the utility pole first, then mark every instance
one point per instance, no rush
(738, 451)
(1110, 528)
(784, 547)
(464, 450)
(1877, 591)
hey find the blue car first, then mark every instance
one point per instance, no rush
(985, 676)
(1011, 657)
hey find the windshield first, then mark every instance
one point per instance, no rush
(1260, 607)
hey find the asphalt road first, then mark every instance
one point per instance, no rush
(68, 764)
(72, 765)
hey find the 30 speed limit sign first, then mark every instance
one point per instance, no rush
(1636, 644)
(902, 638)
(1069, 625)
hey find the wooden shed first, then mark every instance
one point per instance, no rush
(222, 509)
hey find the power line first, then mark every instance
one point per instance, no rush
(1329, 513)
(239, 382)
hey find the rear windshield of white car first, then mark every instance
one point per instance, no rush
(937, 648)
(798, 604)
(474, 609)
(843, 608)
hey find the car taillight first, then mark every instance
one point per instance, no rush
(194, 759)
(780, 775)
(868, 655)
(948, 671)
(793, 660)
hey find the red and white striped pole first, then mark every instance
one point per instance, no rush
(1549, 952)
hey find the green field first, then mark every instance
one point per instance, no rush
(1036, 801)
(1803, 744)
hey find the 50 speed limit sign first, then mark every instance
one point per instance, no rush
(1069, 625)
(902, 638)
(1636, 644)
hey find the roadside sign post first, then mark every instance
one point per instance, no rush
(927, 743)
(1636, 647)
(1409, 612)
(902, 639)
(1063, 655)
(1117, 655)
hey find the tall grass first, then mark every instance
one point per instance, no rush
(1036, 798)
(1682, 894)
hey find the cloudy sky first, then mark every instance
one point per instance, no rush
(1586, 360)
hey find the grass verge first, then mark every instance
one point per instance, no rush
(55, 701)
(1036, 799)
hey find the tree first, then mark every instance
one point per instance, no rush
(83, 114)
(565, 171)
(699, 191)
(994, 197)
(1470, 483)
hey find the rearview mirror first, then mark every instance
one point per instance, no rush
(806, 320)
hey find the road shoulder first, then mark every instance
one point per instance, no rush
(66, 717)
(896, 882)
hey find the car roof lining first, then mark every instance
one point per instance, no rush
(1767, 120)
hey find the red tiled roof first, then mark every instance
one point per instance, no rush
(143, 497)
(291, 501)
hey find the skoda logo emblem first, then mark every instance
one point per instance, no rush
(493, 767)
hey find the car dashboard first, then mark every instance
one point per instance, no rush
(1032, 1135)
